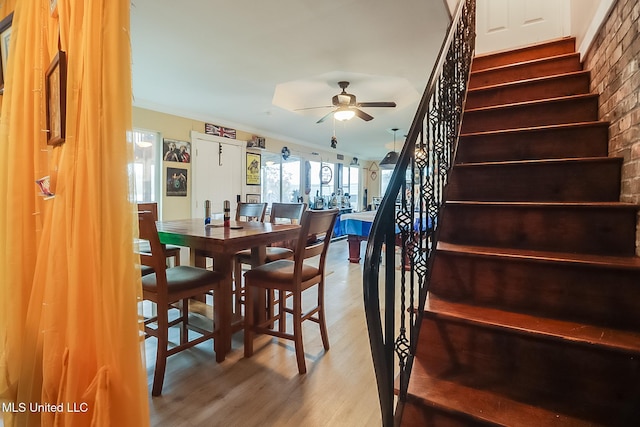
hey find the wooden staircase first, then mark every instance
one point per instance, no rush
(533, 313)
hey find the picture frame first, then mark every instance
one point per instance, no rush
(174, 150)
(176, 182)
(257, 142)
(253, 198)
(5, 37)
(56, 98)
(253, 169)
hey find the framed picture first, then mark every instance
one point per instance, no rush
(256, 142)
(56, 98)
(211, 129)
(176, 151)
(253, 169)
(5, 36)
(253, 198)
(176, 182)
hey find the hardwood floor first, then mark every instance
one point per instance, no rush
(339, 388)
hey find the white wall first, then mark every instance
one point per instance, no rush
(586, 18)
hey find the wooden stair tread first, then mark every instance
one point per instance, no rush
(534, 102)
(524, 63)
(482, 405)
(535, 50)
(526, 81)
(526, 162)
(604, 261)
(537, 128)
(525, 324)
(607, 205)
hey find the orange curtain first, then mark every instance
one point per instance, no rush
(70, 337)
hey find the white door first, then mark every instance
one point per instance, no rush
(507, 24)
(217, 165)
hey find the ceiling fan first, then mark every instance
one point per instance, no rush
(348, 107)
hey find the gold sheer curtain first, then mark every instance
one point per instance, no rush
(69, 330)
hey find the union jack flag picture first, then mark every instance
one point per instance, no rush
(212, 129)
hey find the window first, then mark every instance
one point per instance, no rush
(270, 178)
(290, 180)
(350, 184)
(146, 165)
(385, 179)
(323, 179)
(315, 180)
(280, 178)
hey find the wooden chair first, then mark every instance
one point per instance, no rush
(171, 251)
(245, 212)
(293, 276)
(251, 211)
(280, 213)
(171, 288)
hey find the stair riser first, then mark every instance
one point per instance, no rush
(584, 141)
(588, 181)
(597, 295)
(563, 111)
(595, 383)
(574, 84)
(416, 414)
(591, 230)
(546, 67)
(557, 47)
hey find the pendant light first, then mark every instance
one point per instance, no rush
(390, 160)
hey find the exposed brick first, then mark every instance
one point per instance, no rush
(635, 152)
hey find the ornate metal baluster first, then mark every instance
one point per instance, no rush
(428, 155)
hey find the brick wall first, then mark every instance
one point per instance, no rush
(614, 61)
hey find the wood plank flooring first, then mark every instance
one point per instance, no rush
(339, 388)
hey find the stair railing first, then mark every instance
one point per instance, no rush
(409, 214)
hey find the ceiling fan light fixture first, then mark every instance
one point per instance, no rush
(343, 114)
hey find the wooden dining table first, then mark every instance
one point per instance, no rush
(221, 244)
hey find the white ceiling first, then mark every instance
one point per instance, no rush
(230, 62)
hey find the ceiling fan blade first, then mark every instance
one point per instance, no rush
(325, 117)
(364, 116)
(376, 104)
(313, 108)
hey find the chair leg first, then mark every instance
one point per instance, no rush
(270, 308)
(184, 327)
(297, 332)
(248, 322)
(237, 286)
(321, 317)
(282, 303)
(163, 343)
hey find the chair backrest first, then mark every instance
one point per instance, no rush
(319, 223)
(156, 258)
(286, 211)
(151, 207)
(251, 211)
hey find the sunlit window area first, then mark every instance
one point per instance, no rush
(146, 151)
(350, 184)
(280, 178)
